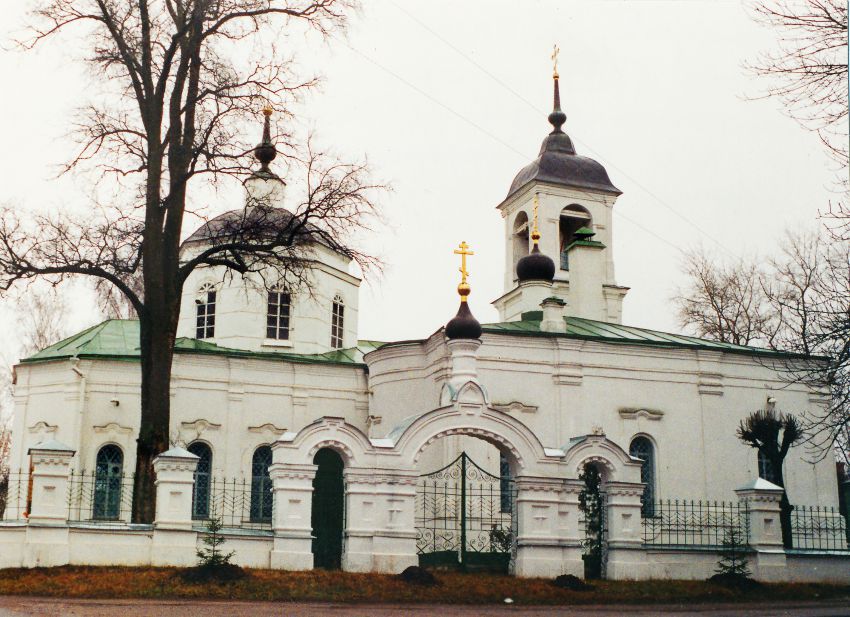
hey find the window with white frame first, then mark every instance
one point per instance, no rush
(205, 311)
(337, 322)
(277, 317)
(642, 448)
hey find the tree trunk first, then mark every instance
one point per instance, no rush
(157, 354)
(784, 507)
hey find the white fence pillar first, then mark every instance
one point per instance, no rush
(174, 540)
(380, 533)
(625, 559)
(762, 499)
(47, 529)
(546, 544)
(175, 480)
(293, 502)
(51, 465)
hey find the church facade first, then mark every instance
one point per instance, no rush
(470, 446)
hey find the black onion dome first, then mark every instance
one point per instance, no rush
(558, 163)
(535, 267)
(463, 325)
(265, 152)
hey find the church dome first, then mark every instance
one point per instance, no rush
(535, 267)
(558, 163)
(463, 325)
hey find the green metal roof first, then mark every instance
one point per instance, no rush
(119, 339)
(589, 329)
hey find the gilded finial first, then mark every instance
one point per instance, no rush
(268, 110)
(535, 232)
(463, 289)
(555, 51)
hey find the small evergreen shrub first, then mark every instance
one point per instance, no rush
(213, 563)
(733, 567)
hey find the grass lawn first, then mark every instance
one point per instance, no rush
(453, 588)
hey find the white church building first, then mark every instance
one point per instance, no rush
(465, 447)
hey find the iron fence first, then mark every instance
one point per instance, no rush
(236, 502)
(104, 499)
(819, 528)
(696, 524)
(14, 491)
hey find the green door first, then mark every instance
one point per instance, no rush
(328, 510)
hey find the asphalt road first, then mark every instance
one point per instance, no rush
(46, 607)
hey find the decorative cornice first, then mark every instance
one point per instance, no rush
(568, 375)
(633, 413)
(113, 428)
(43, 427)
(268, 428)
(514, 407)
(200, 425)
(710, 383)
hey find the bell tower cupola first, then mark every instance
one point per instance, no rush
(571, 199)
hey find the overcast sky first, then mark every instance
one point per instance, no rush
(449, 100)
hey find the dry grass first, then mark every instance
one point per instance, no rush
(454, 588)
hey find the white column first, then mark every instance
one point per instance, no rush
(464, 356)
(380, 532)
(553, 315)
(51, 465)
(546, 544)
(46, 541)
(626, 558)
(762, 499)
(174, 540)
(175, 479)
(292, 484)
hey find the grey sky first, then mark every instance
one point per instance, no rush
(653, 90)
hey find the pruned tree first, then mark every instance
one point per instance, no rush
(773, 434)
(800, 303)
(182, 77)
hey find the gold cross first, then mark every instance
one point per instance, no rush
(555, 51)
(463, 252)
(535, 232)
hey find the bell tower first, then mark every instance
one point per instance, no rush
(576, 200)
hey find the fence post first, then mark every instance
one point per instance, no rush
(626, 559)
(762, 501)
(51, 465)
(175, 478)
(47, 530)
(292, 484)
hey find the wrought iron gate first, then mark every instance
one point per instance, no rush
(465, 517)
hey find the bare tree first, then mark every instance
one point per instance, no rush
(798, 302)
(41, 314)
(184, 75)
(809, 70)
(111, 301)
(773, 435)
(722, 302)
(808, 73)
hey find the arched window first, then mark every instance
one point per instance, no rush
(337, 322)
(520, 238)
(766, 470)
(109, 469)
(573, 218)
(642, 448)
(261, 486)
(277, 316)
(205, 303)
(201, 489)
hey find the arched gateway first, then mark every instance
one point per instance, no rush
(381, 478)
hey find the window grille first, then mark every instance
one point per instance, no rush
(261, 486)
(201, 488)
(766, 470)
(642, 448)
(337, 323)
(277, 319)
(109, 469)
(205, 318)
